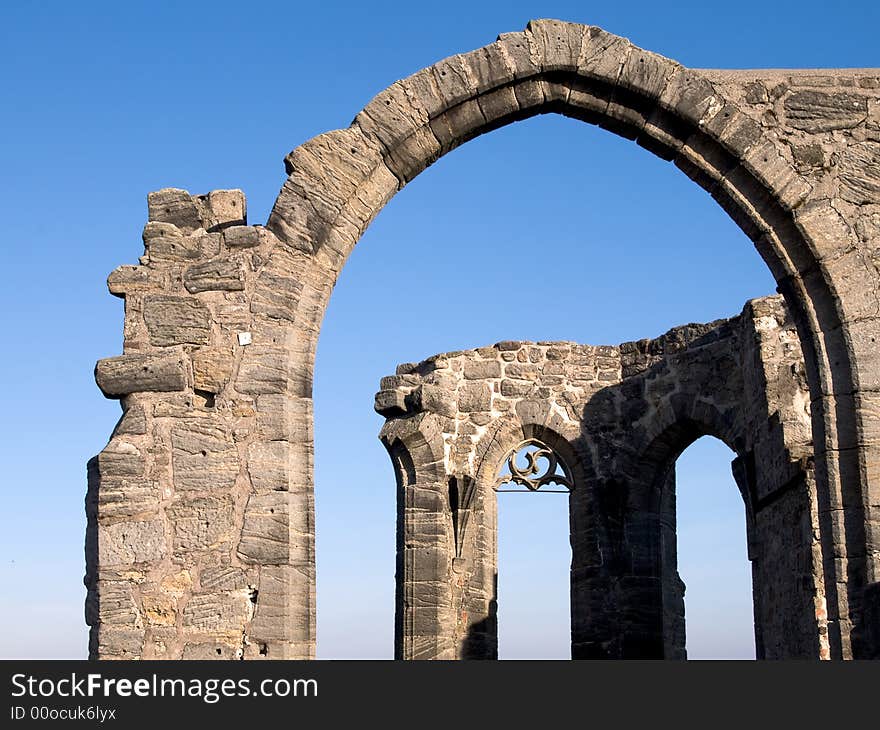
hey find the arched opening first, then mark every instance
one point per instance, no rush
(713, 560)
(670, 110)
(494, 223)
(534, 584)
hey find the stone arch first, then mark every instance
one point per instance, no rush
(668, 439)
(220, 307)
(339, 181)
(475, 587)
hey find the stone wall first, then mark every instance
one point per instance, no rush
(618, 417)
(210, 468)
(199, 533)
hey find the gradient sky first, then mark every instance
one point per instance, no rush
(547, 229)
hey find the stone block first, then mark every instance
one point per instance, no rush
(174, 320)
(242, 236)
(130, 497)
(390, 403)
(175, 206)
(212, 368)
(859, 172)
(121, 458)
(130, 543)
(435, 399)
(265, 537)
(223, 578)
(116, 605)
(203, 456)
(269, 466)
(132, 423)
(134, 280)
(474, 397)
(228, 208)
(201, 524)
(263, 370)
(118, 376)
(165, 243)
(220, 275)
(122, 643)
(481, 369)
(516, 388)
(223, 612)
(820, 111)
(277, 616)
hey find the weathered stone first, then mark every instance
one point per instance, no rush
(265, 538)
(174, 320)
(174, 206)
(274, 618)
(269, 466)
(204, 457)
(228, 208)
(241, 237)
(212, 368)
(516, 388)
(223, 612)
(133, 422)
(390, 402)
(859, 172)
(474, 397)
(116, 604)
(436, 399)
(121, 458)
(201, 524)
(118, 376)
(214, 276)
(819, 111)
(133, 279)
(127, 497)
(263, 370)
(223, 578)
(165, 243)
(128, 543)
(160, 609)
(477, 370)
(201, 652)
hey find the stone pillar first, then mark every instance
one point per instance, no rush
(424, 609)
(672, 586)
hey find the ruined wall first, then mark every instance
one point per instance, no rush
(618, 417)
(210, 469)
(193, 551)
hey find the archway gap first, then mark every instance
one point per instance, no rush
(409, 309)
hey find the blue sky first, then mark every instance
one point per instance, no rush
(545, 229)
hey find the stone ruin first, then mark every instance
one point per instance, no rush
(200, 538)
(617, 418)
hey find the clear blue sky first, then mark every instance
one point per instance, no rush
(546, 229)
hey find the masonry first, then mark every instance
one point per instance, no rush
(618, 417)
(200, 540)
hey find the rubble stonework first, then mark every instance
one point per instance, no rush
(201, 527)
(618, 417)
